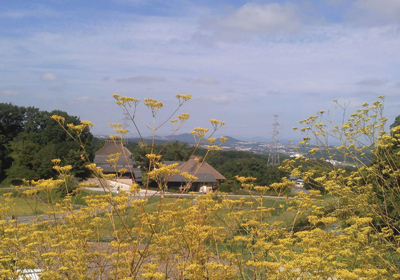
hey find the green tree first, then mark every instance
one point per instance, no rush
(176, 151)
(30, 139)
(11, 124)
(396, 122)
(24, 157)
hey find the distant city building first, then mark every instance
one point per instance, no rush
(296, 155)
(339, 163)
(298, 182)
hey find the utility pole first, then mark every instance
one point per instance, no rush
(273, 158)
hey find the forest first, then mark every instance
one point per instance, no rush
(30, 139)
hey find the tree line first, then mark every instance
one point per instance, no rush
(30, 139)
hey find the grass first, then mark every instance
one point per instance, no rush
(219, 219)
(79, 199)
(286, 217)
(284, 193)
(6, 183)
(31, 206)
(22, 207)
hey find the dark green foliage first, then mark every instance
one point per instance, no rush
(396, 122)
(230, 186)
(30, 139)
(177, 152)
(311, 183)
(67, 187)
(386, 182)
(131, 146)
(170, 152)
(139, 155)
(73, 158)
(232, 163)
(92, 146)
(24, 156)
(11, 124)
(386, 186)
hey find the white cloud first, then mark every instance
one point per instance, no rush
(207, 80)
(395, 105)
(256, 19)
(141, 79)
(335, 2)
(376, 12)
(86, 99)
(50, 77)
(205, 40)
(274, 93)
(386, 8)
(312, 94)
(37, 11)
(366, 93)
(221, 99)
(14, 14)
(55, 89)
(372, 82)
(133, 2)
(327, 59)
(10, 92)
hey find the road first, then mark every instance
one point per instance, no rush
(142, 192)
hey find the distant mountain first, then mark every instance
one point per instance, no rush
(230, 140)
(263, 139)
(188, 138)
(149, 139)
(257, 139)
(183, 138)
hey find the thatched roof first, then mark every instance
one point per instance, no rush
(202, 178)
(198, 167)
(100, 159)
(124, 161)
(191, 166)
(111, 147)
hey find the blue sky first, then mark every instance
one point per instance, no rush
(242, 61)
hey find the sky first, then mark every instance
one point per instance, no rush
(243, 62)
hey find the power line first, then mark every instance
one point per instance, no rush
(273, 158)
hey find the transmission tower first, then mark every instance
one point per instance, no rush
(273, 158)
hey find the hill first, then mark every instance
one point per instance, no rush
(181, 138)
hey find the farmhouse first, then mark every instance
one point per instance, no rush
(299, 183)
(208, 178)
(125, 161)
